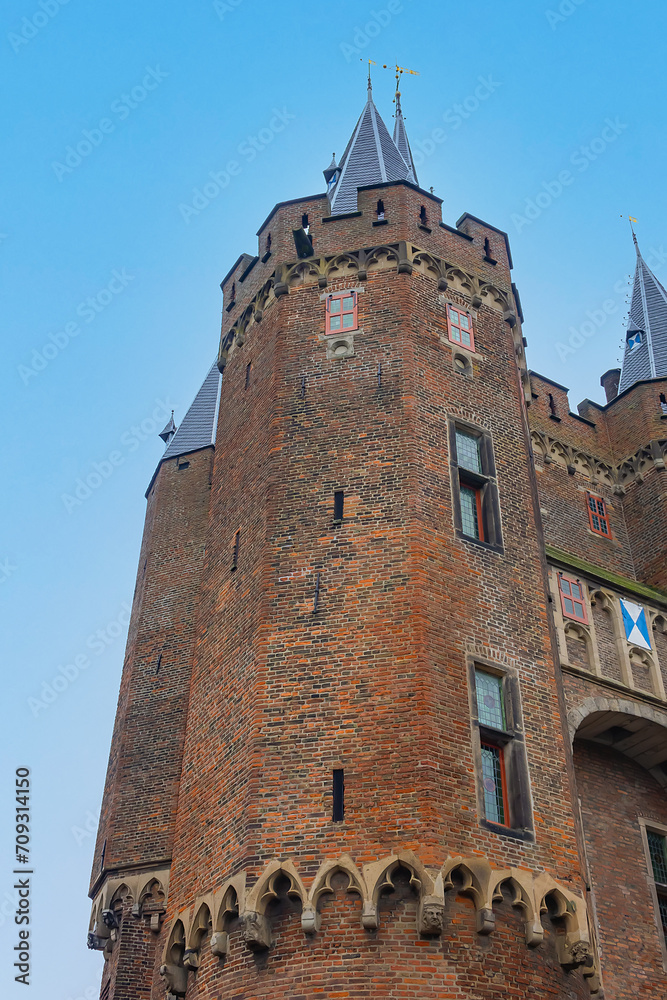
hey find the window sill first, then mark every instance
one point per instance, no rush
(598, 534)
(425, 229)
(462, 347)
(490, 260)
(489, 546)
(454, 344)
(266, 257)
(528, 836)
(381, 222)
(346, 215)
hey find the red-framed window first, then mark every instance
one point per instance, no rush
(572, 598)
(494, 784)
(597, 515)
(459, 325)
(341, 312)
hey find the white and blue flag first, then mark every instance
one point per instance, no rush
(636, 626)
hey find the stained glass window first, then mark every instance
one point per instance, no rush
(493, 783)
(470, 513)
(468, 451)
(490, 706)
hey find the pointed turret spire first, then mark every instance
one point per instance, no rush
(168, 430)
(371, 157)
(401, 139)
(646, 339)
(331, 169)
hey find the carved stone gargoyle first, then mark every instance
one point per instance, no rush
(256, 931)
(176, 978)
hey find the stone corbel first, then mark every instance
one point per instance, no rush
(176, 978)
(510, 317)
(431, 916)
(404, 262)
(311, 920)
(256, 931)
(362, 260)
(534, 932)
(485, 920)
(280, 286)
(656, 455)
(220, 943)
(191, 959)
(369, 915)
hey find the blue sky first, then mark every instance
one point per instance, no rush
(104, 267)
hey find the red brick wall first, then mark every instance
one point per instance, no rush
(645, 507)
(140, 794)
(614, 792)
(128, 973)
(376, 681)
(564, 507)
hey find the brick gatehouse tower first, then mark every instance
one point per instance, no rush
(392, 721)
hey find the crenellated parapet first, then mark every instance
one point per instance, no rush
(209, 917)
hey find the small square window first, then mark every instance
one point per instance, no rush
(597, 515)
(341, 312)
(572, 598)
(459, 325)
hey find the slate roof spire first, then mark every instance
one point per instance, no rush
(198, 427)
(401, 139)
(371, 157)
(646, 340)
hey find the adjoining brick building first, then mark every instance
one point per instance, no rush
(392, 720)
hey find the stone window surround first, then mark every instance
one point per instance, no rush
(514, 746)
(645, 825)
(486, 482)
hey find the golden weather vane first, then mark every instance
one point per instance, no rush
(400, 70)
(632, 220)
